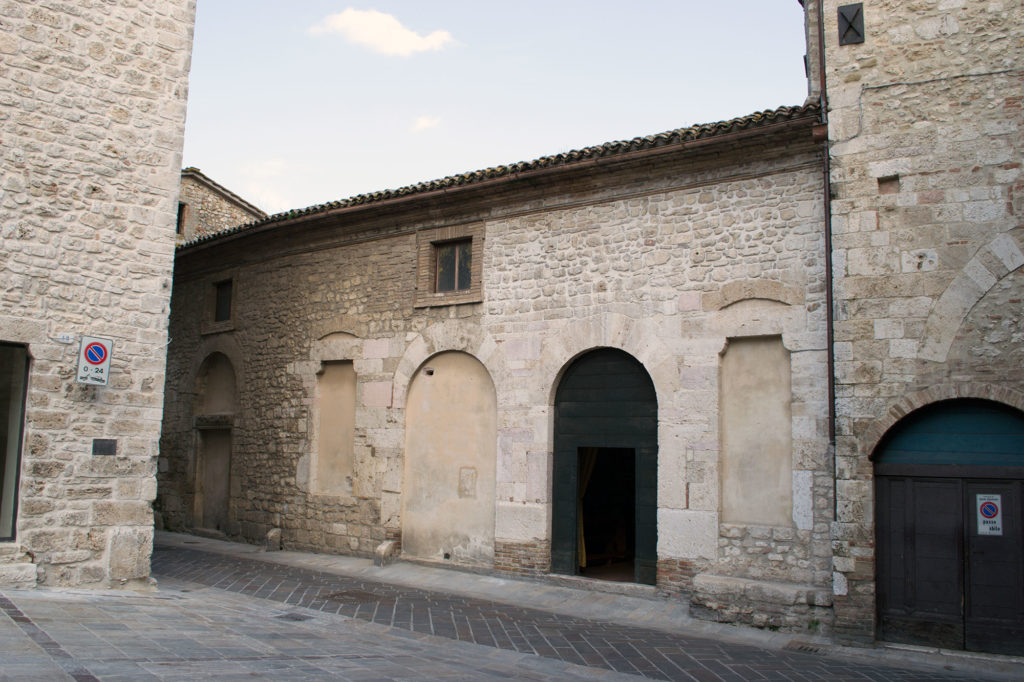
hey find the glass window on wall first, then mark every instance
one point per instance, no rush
(453, 265)
(13, 379)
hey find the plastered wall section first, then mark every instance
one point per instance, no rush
(925, 133)
(666, 267)
(92, 109)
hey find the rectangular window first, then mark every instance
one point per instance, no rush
(182, 217)
(454, 262)
(222, 302)
(13, 380)
(448, 265)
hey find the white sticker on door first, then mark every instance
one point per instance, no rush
(990, 514)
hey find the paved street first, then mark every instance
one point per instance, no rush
(228, 610)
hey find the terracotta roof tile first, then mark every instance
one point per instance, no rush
(678, 136)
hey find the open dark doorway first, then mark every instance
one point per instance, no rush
(605, 471)
(607, 515)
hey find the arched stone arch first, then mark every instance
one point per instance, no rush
(451, 335)
(609, 331)
(450, 462)
(216, 390)
(990, 264)
(218, 343)
(757, 289)
(874, 432)
(215, 402)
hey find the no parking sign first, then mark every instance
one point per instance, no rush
(94, 361)
(990, 514)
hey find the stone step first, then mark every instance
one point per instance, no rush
(16, 570)
(20, 576)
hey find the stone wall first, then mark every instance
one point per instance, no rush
(666, 258)
(93, 111)
(206, 207)
(925, 133)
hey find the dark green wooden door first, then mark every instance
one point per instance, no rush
(949, 488)
(605, 400)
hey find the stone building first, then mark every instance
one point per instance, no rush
(205, 207)
(92, 113)
(619, 363)
(925, 126)
(610, 362)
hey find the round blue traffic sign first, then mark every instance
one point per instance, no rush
(95, 353)
(989, 510)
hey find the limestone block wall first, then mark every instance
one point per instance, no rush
(667, 261)
(92, 108)
(925, 133)
(670, 276)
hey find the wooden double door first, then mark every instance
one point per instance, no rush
(945, 578)
(949, 523)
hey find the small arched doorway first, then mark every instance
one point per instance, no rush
(605, 482)
(949, 481)
(213, 410)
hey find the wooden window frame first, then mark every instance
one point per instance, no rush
(427, 243)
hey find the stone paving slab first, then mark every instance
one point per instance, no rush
(624, 648)
(187, 632)
(225, 611)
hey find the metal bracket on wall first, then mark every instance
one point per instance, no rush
(851, 24)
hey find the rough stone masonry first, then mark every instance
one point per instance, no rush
(92, 109)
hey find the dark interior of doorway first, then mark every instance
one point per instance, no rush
(608, 513)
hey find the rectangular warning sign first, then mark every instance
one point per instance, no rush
(990, 514)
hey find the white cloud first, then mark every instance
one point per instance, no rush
(268, 198)
(263, 182)
(380, 32)
(424, 123)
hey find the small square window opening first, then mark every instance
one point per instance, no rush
(453, 265)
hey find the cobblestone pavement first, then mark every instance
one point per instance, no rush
(650, 653)
(223, 611)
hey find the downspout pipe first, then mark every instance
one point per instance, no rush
(829, 279)
(821, 134)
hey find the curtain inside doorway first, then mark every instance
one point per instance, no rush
(588, 459)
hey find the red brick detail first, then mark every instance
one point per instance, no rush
(523, 558)
(675, 576)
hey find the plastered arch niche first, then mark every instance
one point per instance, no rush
(450, 454)
(214, 409)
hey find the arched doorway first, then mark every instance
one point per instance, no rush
(605, 482)
(451, 432)
(214, 409)
(949, 482)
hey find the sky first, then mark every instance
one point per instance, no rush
(293, 104)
